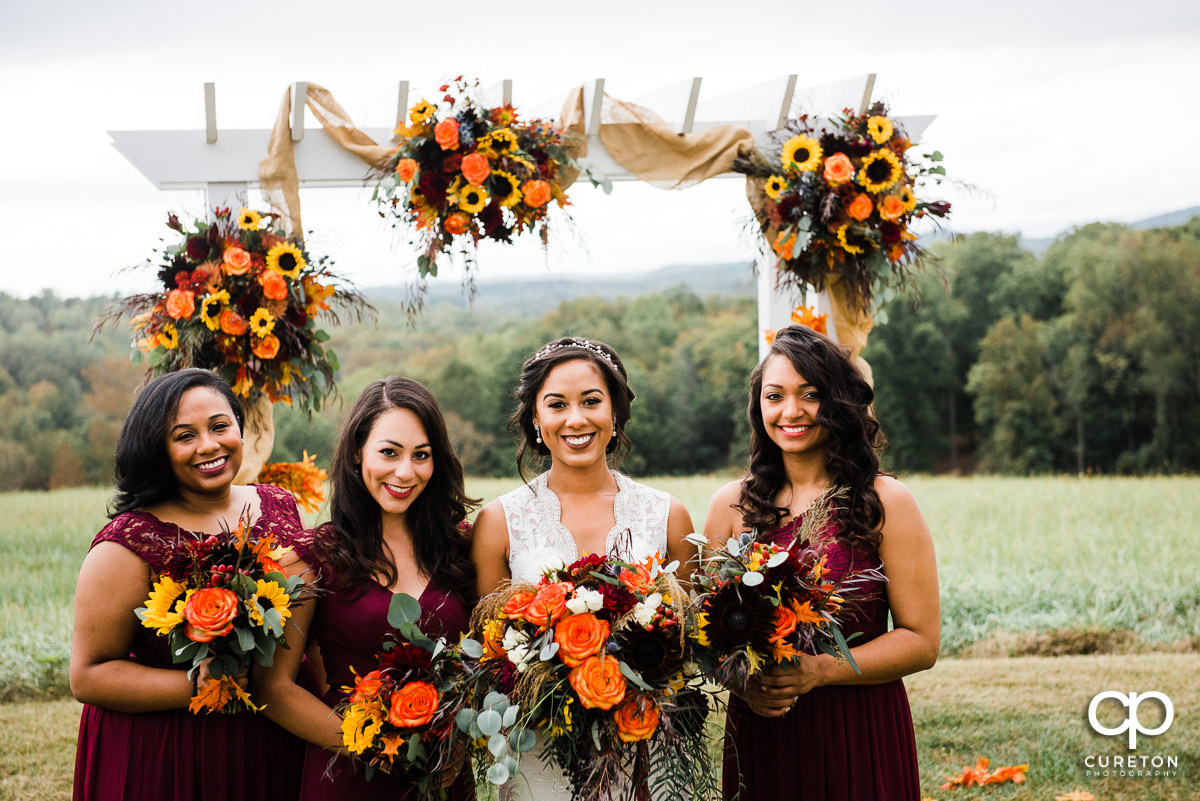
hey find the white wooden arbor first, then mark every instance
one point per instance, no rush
(225, 163)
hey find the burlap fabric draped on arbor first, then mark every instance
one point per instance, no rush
(637, 139)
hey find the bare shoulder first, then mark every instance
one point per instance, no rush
(901, 515)
(893, 492)
(490, 524)
(723, 519)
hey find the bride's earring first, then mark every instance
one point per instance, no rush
(538, 431)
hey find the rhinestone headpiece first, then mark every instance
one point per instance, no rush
(574, 342)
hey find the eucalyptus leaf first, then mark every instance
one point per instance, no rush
(498, 745)
(498, 774)
(511, 764)
(548, 651)
(633, 676)
(510, 715)
(471, 648)
(489, 722)
(801, 243)
(495, 699)
(464, 719)
(777, 559)
(523, 740)
(403, 609)
(752, 579)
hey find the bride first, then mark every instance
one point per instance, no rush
(573, 405)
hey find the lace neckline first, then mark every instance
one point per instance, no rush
(264, 501)
(553, 510)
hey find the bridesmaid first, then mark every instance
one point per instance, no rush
(176, 458)
(397, 526)
(816, 729)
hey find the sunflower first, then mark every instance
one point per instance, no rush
(500, 142)
(269, 595)
(775, 186)
(210, 309)
(248, 219)
(286, 258)
(879, 129)
(360, 727)
(168, 337)
(731, 620)
(880, 170)
(657, 655)
(907, 197)
(472, 199)
(157, 614)
(850, 240)
(802, 153)
(422, 112)
(262, 323)
(505, 188)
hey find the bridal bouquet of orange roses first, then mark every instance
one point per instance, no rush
(595, 655)
(400, 716)
(224, 597)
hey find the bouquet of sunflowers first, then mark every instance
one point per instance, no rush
(760, 603)
(400, 717)
(595, 656)
(224, 597)
(464, 173)
(240, 297)
(840, 199)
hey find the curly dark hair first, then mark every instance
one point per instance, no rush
(351, 546)
(533, 376)
(141, 465)
(853, 445)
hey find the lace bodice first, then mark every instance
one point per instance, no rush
(536, 535)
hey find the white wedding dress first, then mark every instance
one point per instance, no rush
(537, 538)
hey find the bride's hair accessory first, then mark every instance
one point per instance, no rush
(574, 342)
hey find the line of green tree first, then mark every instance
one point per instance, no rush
(1084, 359)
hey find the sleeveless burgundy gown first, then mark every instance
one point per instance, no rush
(839, 743)
(174, 755)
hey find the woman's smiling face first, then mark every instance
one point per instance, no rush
(575, 413)
(396, 461)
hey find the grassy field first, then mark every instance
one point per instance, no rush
(1028, 567)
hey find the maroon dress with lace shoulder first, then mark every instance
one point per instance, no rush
(349, 626)
(839, 743)
(174, 755)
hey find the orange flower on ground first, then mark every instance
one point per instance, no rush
(838, 169)
(458, 223)
(274, 285)
(266, 348)
(891, 208)
(233, 323)
(237, 261)
(1075, 795)
(549, 604)
(599, 682)
(804, 315)
(413, 704)
(580, 636)
(515, 606)
(475, 168)
(210, 613)
(636, 719)
(979, 775)
(181, 303)
(446, 134)
(537, 193)
(860, 208)
(406, 169)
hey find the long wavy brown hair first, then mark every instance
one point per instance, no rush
(351, 544)
(853, 445)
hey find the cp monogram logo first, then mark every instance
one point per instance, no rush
(1131, 722)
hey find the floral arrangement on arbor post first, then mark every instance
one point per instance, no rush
(463, 173)
(839, 200)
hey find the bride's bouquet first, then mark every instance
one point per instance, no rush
(225, 597)
(595, 655)
(762, 603)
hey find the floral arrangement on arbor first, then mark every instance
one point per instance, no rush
(401, 716)
(225, 597)
(761, 603)
(801, 315)
(303, 479)
(462, 173)
(595, 655)
(840, 200)
(241, 298)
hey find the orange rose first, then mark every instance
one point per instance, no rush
(785, 624)
(515, 606)
(549, 604)
(273, 284)
(638, 579)
(367, 687)
(636, 719)
(537, 193)
(580, 636)
(891, 208)
(210, 613)
(237, 261)
(446, 134)
(838, 168)
(413, 705)
(457, 223)
(860, 207)
(783, 245)
(598, 682)
(181, 303)
(406, 169)
(266, 348)
(233, 323)
(475, 168)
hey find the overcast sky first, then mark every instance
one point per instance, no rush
(1061, 113)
